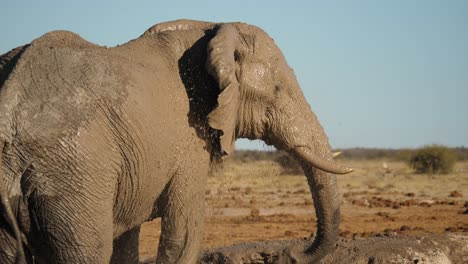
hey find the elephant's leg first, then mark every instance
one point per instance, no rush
(7, 247)
(125, 249)
(182, 223)
(70, 232)
(71, 221)
(69, 235)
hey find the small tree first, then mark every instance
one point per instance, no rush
(435, 159)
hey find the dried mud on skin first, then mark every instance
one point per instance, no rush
(382, 248)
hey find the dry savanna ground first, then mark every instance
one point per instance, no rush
(256, 201)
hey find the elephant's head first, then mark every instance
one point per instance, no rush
(260, 98)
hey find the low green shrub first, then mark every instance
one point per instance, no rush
(434, 159)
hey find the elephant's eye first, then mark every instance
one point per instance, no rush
(237, 56)
(278, 89)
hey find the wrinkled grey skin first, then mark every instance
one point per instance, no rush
(95, 141)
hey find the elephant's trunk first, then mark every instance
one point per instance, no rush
(305, 139)
(324, 191)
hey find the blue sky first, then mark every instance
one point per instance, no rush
(377, 73)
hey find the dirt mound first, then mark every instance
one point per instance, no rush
(382, 248)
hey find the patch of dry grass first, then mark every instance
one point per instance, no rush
(388, 176)
(251, 201)
(378, 175)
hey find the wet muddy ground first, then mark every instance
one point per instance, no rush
(254, 201)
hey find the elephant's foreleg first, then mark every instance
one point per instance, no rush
(182, 223)
(125, 249)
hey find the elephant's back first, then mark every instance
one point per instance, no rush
(61, 82)
(62, 39)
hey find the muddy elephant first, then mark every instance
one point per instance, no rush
(95, 141)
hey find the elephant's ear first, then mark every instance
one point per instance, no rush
(221, 65)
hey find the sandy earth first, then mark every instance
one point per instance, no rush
(254, 201)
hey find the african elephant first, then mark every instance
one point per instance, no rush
(95, 140)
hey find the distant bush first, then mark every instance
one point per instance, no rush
(405, 155)
(254, 155)
(433, 159)
(462, 153)
(288, 164)
(374, 154)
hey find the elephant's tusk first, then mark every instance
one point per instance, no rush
(320, 163)
(336, 154)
